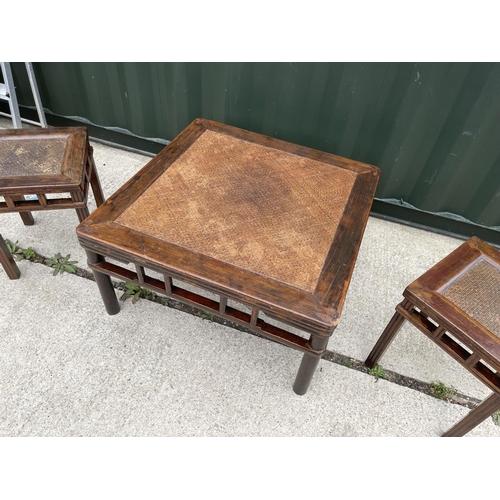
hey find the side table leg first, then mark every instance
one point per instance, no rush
(387, 336)
(489, 406)
(82, 213)
(308, 366)
(94, 178)
(26, 217)
(8, 262)
(105, 286)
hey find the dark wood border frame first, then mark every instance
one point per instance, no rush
(71, 176)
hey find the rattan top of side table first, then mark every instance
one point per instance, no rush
(462, 291)
(42, 158)
(477, 293)
(245, 212)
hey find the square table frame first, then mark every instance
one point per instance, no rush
(464, 338)
(77, 172)
(316, 313)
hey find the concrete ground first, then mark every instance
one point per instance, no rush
(69, 369)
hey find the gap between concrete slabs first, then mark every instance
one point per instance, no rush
(331, 356)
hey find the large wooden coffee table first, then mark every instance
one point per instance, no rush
(269, 224)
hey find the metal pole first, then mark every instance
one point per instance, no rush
(14, 106)
(36, 94)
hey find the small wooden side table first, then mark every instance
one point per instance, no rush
(42, 162)
(269, 224)
(456, 304)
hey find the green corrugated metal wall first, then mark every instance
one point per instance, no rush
(433, 128)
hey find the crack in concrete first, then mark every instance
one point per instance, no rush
(330, 356)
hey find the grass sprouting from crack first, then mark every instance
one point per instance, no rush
(378, 372)
(207, 315)
(441, 391)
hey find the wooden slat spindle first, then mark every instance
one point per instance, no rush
(438, 332)
(168, 284)
(42, 199)
(140, 273)
(222, 304)
(254, 317)
(472, 359)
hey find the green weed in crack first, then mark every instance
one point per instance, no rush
(20, 253)
(61, 264)
(377, 371)
(207, 315)
(136, 292)
(441, 391)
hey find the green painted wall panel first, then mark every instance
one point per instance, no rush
(433, 128)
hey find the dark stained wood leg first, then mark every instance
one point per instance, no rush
(105, 286)
(387, 336)
(308, 366)
(82, 213)
(8, 262)
(26, 217)
(94, 179)
(489, 406)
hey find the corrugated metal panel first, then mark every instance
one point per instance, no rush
(433, 128)
(437, 139)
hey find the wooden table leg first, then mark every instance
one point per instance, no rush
(82, 213)
(104, 284)
(387, 336)
(489, 406)
(308, 366)
(8, 262)
(27, 217)
(94, 179)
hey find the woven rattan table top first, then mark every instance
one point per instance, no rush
(253, 207)
(477, 293)
(32, 157)
(462, 291)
